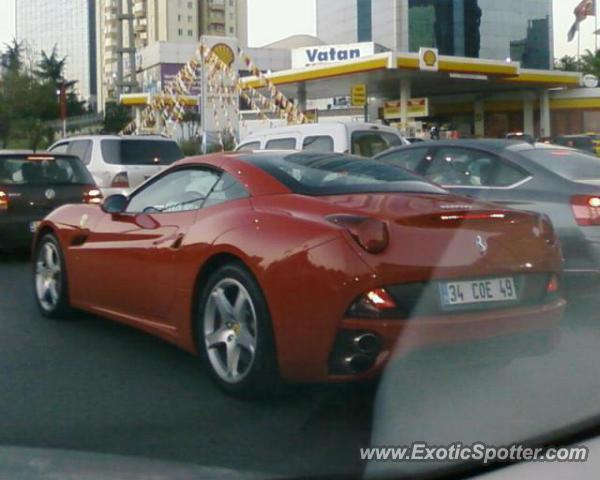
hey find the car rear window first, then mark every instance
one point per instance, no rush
(569, 164)
(582, 143)
(140, 152)
(337, 174)
(371, 142)
(43, 170)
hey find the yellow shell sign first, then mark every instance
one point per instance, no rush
(429, 59)
(225, 53)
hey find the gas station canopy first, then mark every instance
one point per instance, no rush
(382, 74)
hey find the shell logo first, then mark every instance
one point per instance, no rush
(430, 58)
(225, 53)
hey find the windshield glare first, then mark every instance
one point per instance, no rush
(341, 174)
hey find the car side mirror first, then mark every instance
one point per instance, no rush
(114, 204)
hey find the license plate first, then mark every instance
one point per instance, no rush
(478, 291)
(33, 226)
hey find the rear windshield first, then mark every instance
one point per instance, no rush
(583, 143)
(369, 143)
(569, 164)
(318, 174)
(140, 152)
(43, 170)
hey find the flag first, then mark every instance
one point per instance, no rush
(586, 8)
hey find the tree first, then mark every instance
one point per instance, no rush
(12, 58)
(116, 117)
(590, 62)
(567, 63)
(50, 71)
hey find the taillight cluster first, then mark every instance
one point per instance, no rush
(93, 196)
(370, 233)
(3, 201)
(586, 209)
(121, 180)
(373, 304)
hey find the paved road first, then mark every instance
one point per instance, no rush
(93, 385)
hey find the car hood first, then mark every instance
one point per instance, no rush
(41, 464)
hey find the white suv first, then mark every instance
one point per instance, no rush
(121, 163)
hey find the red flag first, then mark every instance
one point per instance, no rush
(586, 8)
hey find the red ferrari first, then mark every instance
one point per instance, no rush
(298, 266)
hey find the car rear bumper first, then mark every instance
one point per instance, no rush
(531, 330)
(16, 232)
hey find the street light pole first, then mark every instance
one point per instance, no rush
(62, 104)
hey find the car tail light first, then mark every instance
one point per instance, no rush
(121, 180)
(372, 304)
(586, 209)
(370, 233)
(93, 196)
(3, 201)
(553, 285)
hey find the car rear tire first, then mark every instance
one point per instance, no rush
(50, 279)
(235, 334)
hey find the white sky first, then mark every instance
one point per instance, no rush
(271, 20)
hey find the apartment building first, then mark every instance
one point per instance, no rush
(147, 23)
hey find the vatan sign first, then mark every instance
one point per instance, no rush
(429, 59)
(417, 107)
(324, 54)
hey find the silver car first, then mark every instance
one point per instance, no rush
(120, 163)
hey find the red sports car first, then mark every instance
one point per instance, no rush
(299, 266)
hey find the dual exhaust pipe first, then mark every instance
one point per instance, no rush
(366, 346)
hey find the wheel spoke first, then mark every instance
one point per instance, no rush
(233, 359)
(49, 256)
(218, 337)
(223, 305)
(52, 290)
(239, 306)
(246, 340)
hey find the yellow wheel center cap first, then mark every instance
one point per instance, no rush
(237, 329)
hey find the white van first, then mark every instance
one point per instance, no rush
(121, 163)
(365, 139)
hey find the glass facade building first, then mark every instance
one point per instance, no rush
(70, 25)
(517, 29)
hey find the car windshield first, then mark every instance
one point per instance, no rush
(317, 174)
(140, 152)
(569, 164)
(42, 170)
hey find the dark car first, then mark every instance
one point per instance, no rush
(33, 185)
(560, 182)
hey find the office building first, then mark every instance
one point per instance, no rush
(515, 29)
(70, 25)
